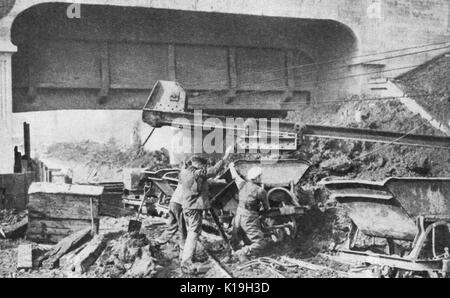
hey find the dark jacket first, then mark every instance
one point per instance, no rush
(251, 197)
(195, 187)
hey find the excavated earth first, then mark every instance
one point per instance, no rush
(371, 161)
(432, 79)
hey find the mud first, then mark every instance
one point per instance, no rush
(364, 160)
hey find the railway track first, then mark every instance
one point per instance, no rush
(219, 267)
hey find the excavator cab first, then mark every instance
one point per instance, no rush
(167, 99)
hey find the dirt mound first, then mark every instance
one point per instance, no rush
(109, 154)
(90, 161)
(364, 160)
(431, 78)
(363, 112)
(130, 255)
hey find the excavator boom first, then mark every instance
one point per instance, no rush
(167, 106)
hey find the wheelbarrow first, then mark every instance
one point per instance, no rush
(412, 210)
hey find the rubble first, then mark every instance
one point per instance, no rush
(88, 255)
(431, 79)
(13, 231)
(11, 217)
(129, 255)
(51, 258)
(13, 223)
(360, 160)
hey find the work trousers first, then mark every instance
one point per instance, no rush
(175, 223)
(193, 218)
(247, 227)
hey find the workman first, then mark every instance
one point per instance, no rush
(195, 198)
(246, 223)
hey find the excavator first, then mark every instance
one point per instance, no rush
(168, 106)
(418, 206)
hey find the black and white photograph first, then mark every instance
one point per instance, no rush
(224, 145)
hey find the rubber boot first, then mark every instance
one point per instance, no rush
(189, 247)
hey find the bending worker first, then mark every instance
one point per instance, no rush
(246, 223)
(195, 200)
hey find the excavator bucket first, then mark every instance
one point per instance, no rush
(166, 102)
(279, 173)
(167, 105)
(292, 170)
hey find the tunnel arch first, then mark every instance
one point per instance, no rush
(60, 63)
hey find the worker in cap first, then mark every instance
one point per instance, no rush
(175, 221)
(195, 199)
(246, 223)
(254, 174)
(198, 161)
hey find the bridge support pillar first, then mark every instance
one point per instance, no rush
(6, 131)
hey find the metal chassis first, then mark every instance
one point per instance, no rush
(412, 261)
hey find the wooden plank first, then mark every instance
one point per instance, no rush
(59, 226)
(53, 231)
(85, 258)
(51, 258)
(45, 239)
(66, 261)
(63, 206)
(25, 256)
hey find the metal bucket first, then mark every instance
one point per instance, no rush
(276, 173)
(389, 208)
